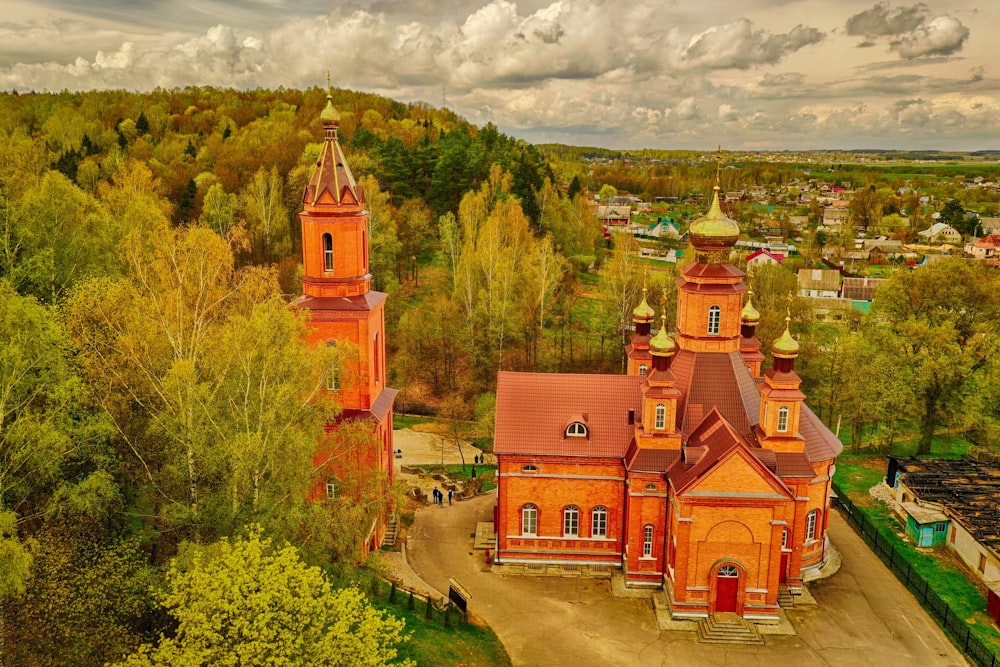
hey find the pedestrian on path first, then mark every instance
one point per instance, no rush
(451, 494)
(440, 497)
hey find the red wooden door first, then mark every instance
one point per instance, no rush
(783, 575)
(728, 584)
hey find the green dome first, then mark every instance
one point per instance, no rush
(714, 231)
(662, 345)
(329, 115)
(785, 347)
(750, 315)
(643, 312)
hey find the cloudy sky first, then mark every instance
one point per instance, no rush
(753, 74)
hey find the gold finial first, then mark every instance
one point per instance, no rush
(718, 167)
(329, 85)
(788, 310)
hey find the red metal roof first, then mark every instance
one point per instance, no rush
(532, 409)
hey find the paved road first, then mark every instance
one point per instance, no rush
(864, 616)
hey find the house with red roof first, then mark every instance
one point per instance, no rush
(698, 471)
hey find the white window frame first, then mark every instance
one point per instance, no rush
(332, 489)
(783, 419)
(327, 240)
(529, 520)
(333, 375)
(599, 522)
(660, 418)
(714, 320)
(643, 368)
(571, 521)
(576, 430)
(647, 540)
(811, 520)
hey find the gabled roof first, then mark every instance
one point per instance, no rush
(819, 279)
(533, 409)
(757, 253)
(715, 380)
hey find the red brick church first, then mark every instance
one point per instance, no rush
(695, 472)
(345, 312)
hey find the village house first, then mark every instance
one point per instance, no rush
(819, 283)
(699, 471)
(987, 248)
(762, 256)
(835, 217)
(941, 232)
(860, 289)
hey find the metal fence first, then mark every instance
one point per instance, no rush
(954, 626)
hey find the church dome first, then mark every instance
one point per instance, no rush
(329, 115)
(785, 347)
(662, 345)
(749, 314)
(714, 232)
(643, 312)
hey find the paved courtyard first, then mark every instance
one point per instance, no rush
(864, 616)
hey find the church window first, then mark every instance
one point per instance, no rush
(571, 521)
(783, 419)
(661, 416)
(332, 489)
(375, 365)
(642, 369)
(647, 541)
(784, 540)
(529, 468)
(811, 525)
(651, 487)
(327, 252)
(714, 320)
(364, 247)
(729, 572)
(576, 430)
(599, 522)
(333, 376)
(529, 520)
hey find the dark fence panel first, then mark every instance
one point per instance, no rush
(953, 625)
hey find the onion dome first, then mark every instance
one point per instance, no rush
(749, 315)
(662, 345)
(714, 234)
(329, 115)
(643, 312)
(785, 347)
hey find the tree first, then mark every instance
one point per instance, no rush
(866, 207)
(575, 188)
(266, 217)
(621, 281)
(249, 603)
(940, 324)
(607, 191)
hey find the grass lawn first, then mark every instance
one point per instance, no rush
(433, 645)
(483, 471)
(408, 421)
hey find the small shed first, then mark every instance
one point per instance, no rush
(926, 526)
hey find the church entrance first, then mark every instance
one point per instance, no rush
(727, 587)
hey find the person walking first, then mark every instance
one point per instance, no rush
(451, 494)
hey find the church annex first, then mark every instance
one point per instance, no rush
(698, 471)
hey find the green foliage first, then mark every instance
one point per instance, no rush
(15, 560)
(246, 602)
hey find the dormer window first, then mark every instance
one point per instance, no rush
(576, 430)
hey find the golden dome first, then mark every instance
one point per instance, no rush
(750, 315)
(329, 115)
(785, 347)
(643, 312)
(662, 345)
(714, 231)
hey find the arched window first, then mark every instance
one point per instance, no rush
(660, 420)
(529, 468)
(364, 248)
(376, 360)
(651, 487)
(714, 320)
(647, 541)
(729, 572)
(529, 520)
(599, 522)
(642, 369)
(783, 419)
(327, 252)
(811, 525)
(333, 375)
(571, 521)
(576, 430)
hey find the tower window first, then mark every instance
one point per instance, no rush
(328, 252)
(571, 521)
(333, 375)
(783, 419)
(714, 320)
(642, 369)
(660, 420)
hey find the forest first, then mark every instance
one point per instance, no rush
(159, 409)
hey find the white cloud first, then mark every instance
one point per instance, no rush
(942, 36)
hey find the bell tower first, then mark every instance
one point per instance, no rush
(343, 311)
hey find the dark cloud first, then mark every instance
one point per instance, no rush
(882, 21)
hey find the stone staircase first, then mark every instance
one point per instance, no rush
(728, 628)
(785, 598)
(391, 531)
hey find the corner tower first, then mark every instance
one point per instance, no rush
(343, 310)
